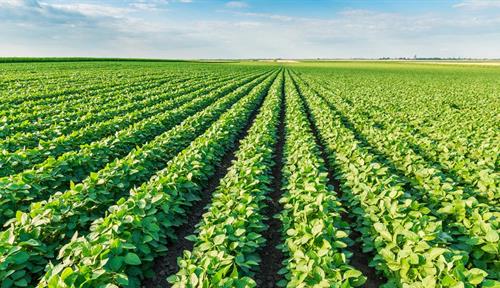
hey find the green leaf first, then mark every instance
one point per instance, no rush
(341, 234)
(352, 274)
(21, 283)
(490, 283)
(448, 281)
(429, 282)
(21, 257)
(132, 259)
(435, 252)
(318, 227)
(476, 276)
(383, 231)
(219, 239)
(66, 272)
(191, 238)
(492, 236)
(18, 274)
(490, 248)
(239, 232)
(116, 263)
(7, 283)
(122, 279)
(310, 187)
(172, 279)
(324, 248)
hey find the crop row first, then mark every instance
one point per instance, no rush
(470, 224)
(468, 155)
(459, 102)
(55, 174)
(315, 236)
(51, 81)
(229, 235)
(458, 164)
(43, 116)
(23, 159)
(51, 224)
(121, 246)
(85, 91)
(413, 243)
(410, 245)
(32, 119)
(373, 186)
(35, 117)
(112, 109)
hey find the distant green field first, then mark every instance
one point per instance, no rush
(150, 173)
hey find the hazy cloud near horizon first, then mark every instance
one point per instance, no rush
(249, 29)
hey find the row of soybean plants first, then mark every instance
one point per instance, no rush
(460, 162)
(469, 221)
(460, 99)
(41, 116)
(22, 82)
(121, 246)
(167, 98)
(477, 178)
(18, 191)
(86, 116)
(34, 239)
(85, 95)
(459, 132)
(35, 83)
(34, 115)
(93, 111)
(56, 174)
(464, 118)
(469, 215)
(229, 236)
(410, 246)
(43, 82)
(37, 118)
(84, 92)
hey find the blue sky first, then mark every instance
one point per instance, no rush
(250, 29)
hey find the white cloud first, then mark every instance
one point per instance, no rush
(93, 9)
(149, 5)
(19, 3)
(478, 4)
(143, 6)
(236, 4)
(248, 24)
(263, 15)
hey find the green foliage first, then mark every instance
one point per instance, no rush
(315, 237)
(68, 213)
(144, 222)
(54, 174)
(410, 241)
(101, 162)
(229, 235)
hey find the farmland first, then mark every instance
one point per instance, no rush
(251, 174)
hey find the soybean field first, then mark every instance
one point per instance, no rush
(249, 174)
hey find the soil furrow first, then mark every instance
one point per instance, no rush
(271, 256)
